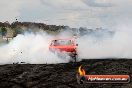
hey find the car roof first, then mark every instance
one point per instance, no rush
(63, 39)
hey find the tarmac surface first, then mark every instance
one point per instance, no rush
(62, 75)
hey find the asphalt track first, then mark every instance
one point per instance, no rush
(62, 75)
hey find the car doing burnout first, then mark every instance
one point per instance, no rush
(64, 45)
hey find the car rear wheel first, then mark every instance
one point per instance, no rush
(74, 58)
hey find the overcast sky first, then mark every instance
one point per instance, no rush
(74, 13)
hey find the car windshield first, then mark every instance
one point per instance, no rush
(62, 42)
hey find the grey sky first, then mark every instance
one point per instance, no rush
(74, 13)
(94, 3)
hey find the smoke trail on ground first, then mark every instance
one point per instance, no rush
(30, 48)
(115, 46)
(34, 48)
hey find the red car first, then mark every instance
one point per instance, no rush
(64, 45)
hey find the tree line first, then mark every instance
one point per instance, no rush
(20, 27)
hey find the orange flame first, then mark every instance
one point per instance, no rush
(81, 71)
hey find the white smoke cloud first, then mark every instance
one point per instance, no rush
(118, 46)
(30, 48)
(112, 14)
(33, 48)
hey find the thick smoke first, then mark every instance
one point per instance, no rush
(117, 45)
(30, 48)
(96, 44)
